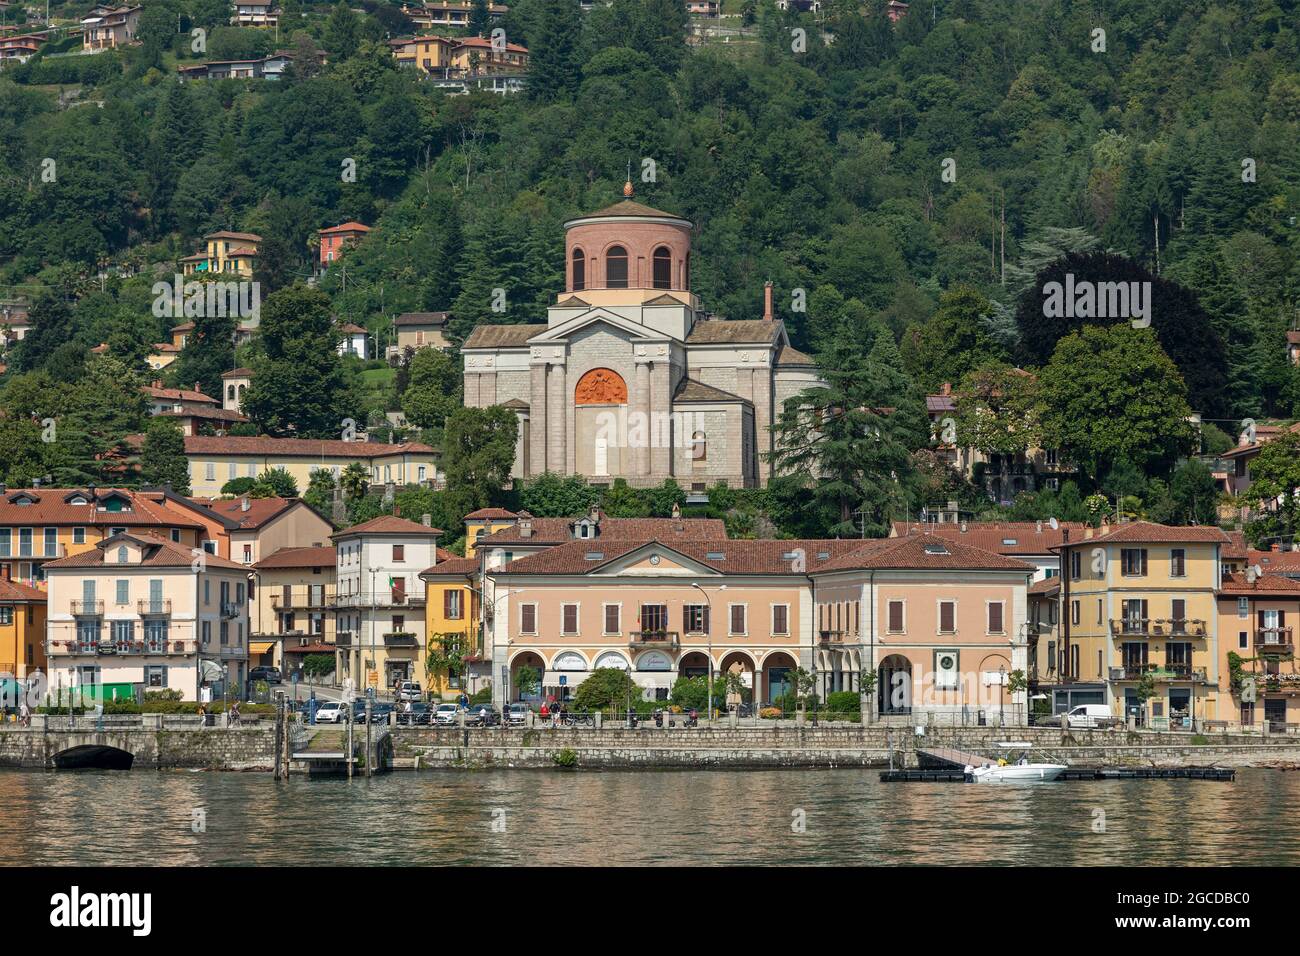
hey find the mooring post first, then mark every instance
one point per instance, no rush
(279, 719)
(369, 769)
(351, 757)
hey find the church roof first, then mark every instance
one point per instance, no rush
(629, 209)
(573, 302)
(501, 336)
(789, 355)
(689, 390)
(734, 332)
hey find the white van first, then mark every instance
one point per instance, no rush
(1090, 715)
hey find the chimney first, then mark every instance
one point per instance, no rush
(963, 527)
(525, 525)
(946, 388)
(244, 504)
(677, 510)
(426, 520)
(196, 387)
(1038, 526)
(1276, 546)
(1087, 532)
(767, 301)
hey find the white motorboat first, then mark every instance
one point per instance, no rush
(1016, 772)
(1008, 770)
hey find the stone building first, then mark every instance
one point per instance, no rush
(630, 377)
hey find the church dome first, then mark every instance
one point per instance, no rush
(627, 246)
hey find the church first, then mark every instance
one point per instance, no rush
(629, 377)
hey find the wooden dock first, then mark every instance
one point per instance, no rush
(951, 775)
(946, 758)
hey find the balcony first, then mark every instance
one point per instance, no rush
(230, 610)
(301, 599)
(1167, 673)
(146, 648)
(1158, 627)
(378, 599)
(149, 608)
(343, 639)
(664, 640)
(1274, 640)
(1131, 627)
(87, 608)
(399, 639)
(830, 637)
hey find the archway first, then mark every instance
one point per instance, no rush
(742, 665)
(694, 664)
(777, 679)
(93, 757)
(534, 662)
(894, 685)
(600, 422)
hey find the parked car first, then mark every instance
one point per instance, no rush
(1090, 715)
(418, 714)
(482, 715)
(331, 712)
(264, 673)
(379, 711)
(444, 715)
(516, 714)
(409, 690)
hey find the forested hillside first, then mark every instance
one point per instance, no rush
(902, 186)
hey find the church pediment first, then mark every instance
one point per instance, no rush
(594, 317)
(657, 560)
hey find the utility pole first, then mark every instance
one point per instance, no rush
(369, 705)
(1156, 220)
(1004, 237)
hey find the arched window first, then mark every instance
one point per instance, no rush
(616, 268)
(663, 268)
(699, 447)
(230, 392)
(579, 270)
(121, 555)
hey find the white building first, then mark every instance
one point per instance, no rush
(379, 603)
(140, 612)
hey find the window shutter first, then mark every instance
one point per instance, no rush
(779, 624)
(1143, 553)
(896, 616)
(1281, 618)
(611, 619)
(706, 619)
(995, 618)
(737, 619)
(1260, 616)
(446, 604)
(528, 618)
(570, 618)
(946, 616)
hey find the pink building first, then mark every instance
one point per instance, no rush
(336, 239)
(941, 623)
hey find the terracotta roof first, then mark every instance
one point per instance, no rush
(573, 302)
(322, 557)
(1293, 337)
(940, 403)
(179, 394)
(260, 510)
(351, 328)
(459, 567)
(295, 447)
(238, 373)
(729, 556)
(1268, 583)
(250, 236)
(421, 318)
(1235, 550)
(789, 355)
(738, 332)
(13, 592)
(209, 414)
(159, 553)
(925, 552)
(689, 390)
(1140, 532)
(342, 227)
(548, 531)
(51, 508)
(501, 336)
(490, 513)
(629, 209)
(486, 43)
(387, 524)
(1047, 586)
(316, 647)
(1000, 537)
(1274, 560)
(664, 299)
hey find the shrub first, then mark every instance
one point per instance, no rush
(565, 758)
(844, 702)
(770, 713)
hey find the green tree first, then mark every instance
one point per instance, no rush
(433, 390)
(209, 351)
(355, 480)
(997, 410)
(479, 451)
(342, 32)
(952, 342)
(554, 67)
(300, 387)
(162, 457)
(320, 490)
(551, 495)
(479, 18)
(274, 483)
(1110, 394)
(606, 687)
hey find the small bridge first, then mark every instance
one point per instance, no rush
(324, 750)
(146, 742)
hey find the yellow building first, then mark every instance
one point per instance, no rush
(451, 618)
(216, 459)
(429, 54)
(292, 604)
(1139, 601)
(1258, 675)
(486, 521)
(22, 629)
(229, 252)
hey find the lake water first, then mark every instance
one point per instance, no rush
(638, 818)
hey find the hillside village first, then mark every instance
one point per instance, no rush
(496, 348)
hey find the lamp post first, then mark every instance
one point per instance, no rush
(708, 635)
(1002, 687)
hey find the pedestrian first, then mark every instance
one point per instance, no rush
(545, 712)
(24, 712)
(234, 713)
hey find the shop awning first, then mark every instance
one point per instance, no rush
(260, 647)
(571, 678)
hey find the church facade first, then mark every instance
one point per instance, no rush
(629, 377)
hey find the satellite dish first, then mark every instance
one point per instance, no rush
(1054, 523)
(1259, 572)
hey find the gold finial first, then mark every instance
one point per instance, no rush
(627, 189)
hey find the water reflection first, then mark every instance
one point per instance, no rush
(638, 818)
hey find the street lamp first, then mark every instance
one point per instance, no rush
(1002, 687)
(708, 635)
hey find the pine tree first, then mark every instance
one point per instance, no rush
(162, 458)
(555, 67)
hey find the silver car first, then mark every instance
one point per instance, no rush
(444, 715)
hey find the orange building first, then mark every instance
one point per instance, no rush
(334, 240)
(22, 629)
